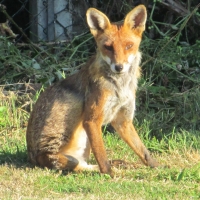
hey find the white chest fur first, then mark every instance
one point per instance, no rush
(121, 97)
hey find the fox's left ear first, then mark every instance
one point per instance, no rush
(136, 19)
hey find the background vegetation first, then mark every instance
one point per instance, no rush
(167, 115)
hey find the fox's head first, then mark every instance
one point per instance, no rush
(118, 43)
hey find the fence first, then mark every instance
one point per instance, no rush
(52, 20)
(46, 20)
(56, 20)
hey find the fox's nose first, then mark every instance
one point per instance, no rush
(118, 67)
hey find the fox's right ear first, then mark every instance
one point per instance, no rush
(97, 21)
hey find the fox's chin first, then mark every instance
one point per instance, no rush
(116, 72)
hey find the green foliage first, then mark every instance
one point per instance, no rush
(43, 64)
(167, 115)
(3, 111)
(11, 116)
(168, 95)
(169, 92)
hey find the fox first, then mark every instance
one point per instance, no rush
(65, 125)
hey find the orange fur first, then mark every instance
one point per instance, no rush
(65, 124)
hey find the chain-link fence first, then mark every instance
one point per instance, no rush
(44, 20)
(56, 20)
(52, 20)
(47, 20)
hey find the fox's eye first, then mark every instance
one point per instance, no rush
(109, 48)
(128, 46)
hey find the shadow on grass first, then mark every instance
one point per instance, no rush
(18, 159)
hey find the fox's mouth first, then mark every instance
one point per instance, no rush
(119, 68)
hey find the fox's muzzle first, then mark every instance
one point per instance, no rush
(118, 68)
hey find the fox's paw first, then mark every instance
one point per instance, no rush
(83, 166)
(149, 161)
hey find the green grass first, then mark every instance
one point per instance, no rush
(167, 117)
(178, 178)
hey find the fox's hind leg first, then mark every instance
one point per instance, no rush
(64, 162)
(56, 161)
(73, 155)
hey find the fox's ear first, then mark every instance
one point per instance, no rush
(97, 21)
(136, 19)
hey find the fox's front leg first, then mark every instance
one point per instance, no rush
(126, 130)
(96, 141)
(92, 123)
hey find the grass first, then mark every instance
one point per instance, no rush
(167, 119)
(178, 153)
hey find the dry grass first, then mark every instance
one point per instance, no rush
(34, 183)
(178, 153)
(18, 180)
(167, 118)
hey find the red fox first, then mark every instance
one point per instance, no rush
(65, 124)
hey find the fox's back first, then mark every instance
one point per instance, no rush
(56, 113)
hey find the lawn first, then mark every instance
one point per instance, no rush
(167, 116)
(177, 178)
